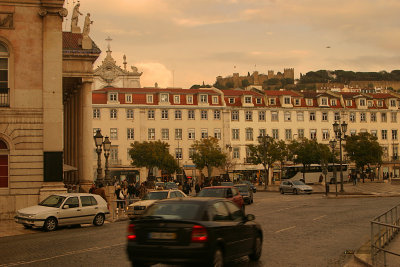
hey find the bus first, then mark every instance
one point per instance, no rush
(313, 173)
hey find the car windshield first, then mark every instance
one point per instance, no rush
(173, 211)
(171, 185)
(242, 188)
(156, 195)
(227, 183)
(53, 201)
(212, 192)
(298, 183)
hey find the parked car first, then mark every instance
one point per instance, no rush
(252, 186)
(64, 209)
(295, 187)
(227, 184)
(136, 209)
(159, 185)
(193, 231)
(170, 185)
(246, 192)
(228, 192)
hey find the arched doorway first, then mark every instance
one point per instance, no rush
(4, 152)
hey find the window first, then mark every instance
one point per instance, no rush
(352, 117)
(362, 103)
(204, 133)
(333, 102)
(114, 155)
(262, 132)
(380, 103)
(286, 100)
(178, 153)
(352, 132)
(217, 133)
(383, 117)
(128, 98)
(235, 134)
(249, 134)
(178, 134)
(129, 113)
(165, 134)
(247, 99)
(190, 114)
(324, 116)
(189, 99)
(313, 134)
(217, 114)
(297, 102)
(288, 134)
(275, 134)
(249, 115)
(164, 98)
(149, 98)
(394, 134)
(363, 117)
(325, 134)
(191, 152)
(178, 114)
(203, 99)
(337, 116)
(113, 113)
(88, 201)
(300, 133)
(309, 102)
(374, 133)
(287, 116)
(272, 101)
(231, 100)
(274, 116)
(261, 116)
(177, 99)
(164, 114)
(4, 94)
(113, 133)
(150, 114)
(370, 103)
(113, 96)
(130, 133)
(392, 102)
(219, 212)
(312, 116)
(236, 153)
(384, 134)
(204, 114)
(96, 111)
(191, 134)
(4, 152)
(324, 101)
(151, 134)
(215, 100)
(258, 100)
(393, 117)
(300, 116)
(348, 103)
(72, 202)
(373, 116)
(235, 115)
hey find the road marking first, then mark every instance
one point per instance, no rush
(288, 208)
(320, 217)
(285, 229)
(61, 255)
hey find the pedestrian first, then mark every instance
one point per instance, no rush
(186, 188)
(131, 191)
(92, 188)
(354, 178)
(197, 188)
(120, 198)
(142, 191)
(363, 176)
(101, 192)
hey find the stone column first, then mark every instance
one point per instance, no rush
(86, 133)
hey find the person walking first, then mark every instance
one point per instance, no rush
(131, 192)
(120, 198)
(354, 178)
(186, 188)
(92, 188)
(197, 188)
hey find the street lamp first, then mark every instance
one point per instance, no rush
(262, 140)
(98, 141)
(107, 148)
(332, 143)
(340, 131)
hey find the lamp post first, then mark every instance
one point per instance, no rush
(332, 143)
(107, 148)
(98, 141)
(340, 131)
(262, 140)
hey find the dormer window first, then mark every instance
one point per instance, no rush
(128, 98)
(272, 101)
(297, 102)
(231, 100)
(177, 99)
(324, 101)
(215, 99)
(380, 103)
(370, 103)
(203, 99)
(149, 98)
(333, 102)
(164, 98)
(189, 99)
(247, 99)
(362, 103)
(113, 96)
(392, 102)
(348, 103)
(309, 102)
(287, 100)
(258, 100)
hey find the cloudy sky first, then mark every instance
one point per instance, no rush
(184, 42)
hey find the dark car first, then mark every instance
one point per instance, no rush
(246, 192)
(252, 186)
(228, 192)
(201, 231)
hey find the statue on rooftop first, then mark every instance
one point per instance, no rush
(75, 16)
(86, 25)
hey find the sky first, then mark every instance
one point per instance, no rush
(178, 43)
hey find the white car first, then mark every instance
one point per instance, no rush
(64, 209)
(136, 209)
(295, 187)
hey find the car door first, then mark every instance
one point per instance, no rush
(285, 186)
(89, 208)
(72, 214)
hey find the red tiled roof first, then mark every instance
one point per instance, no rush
(72, 42)
(279, 93)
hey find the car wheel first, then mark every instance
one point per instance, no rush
(281, 190)
(218, 259)
(139, 264)
(255, 256)
(98, 220)
(295, 191)
(27, 226)
(50, 224)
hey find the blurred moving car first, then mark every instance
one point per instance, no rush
(227, 184)
(64, 209)
(193, 231)
(246, 192)
(252, 186)
(170, 185)
(159, 185)
(228, 192)
(295, 187)
(136, 209)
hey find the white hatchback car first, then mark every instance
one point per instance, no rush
(64, 209)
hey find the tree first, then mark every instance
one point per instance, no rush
(283, 153)
(363, 149)
(207, 154)
(265, 153)
(245, 83)
(152, 154)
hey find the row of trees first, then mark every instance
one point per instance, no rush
(341, 76)
(362, 149)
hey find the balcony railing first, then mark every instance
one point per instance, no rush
(4, 97)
